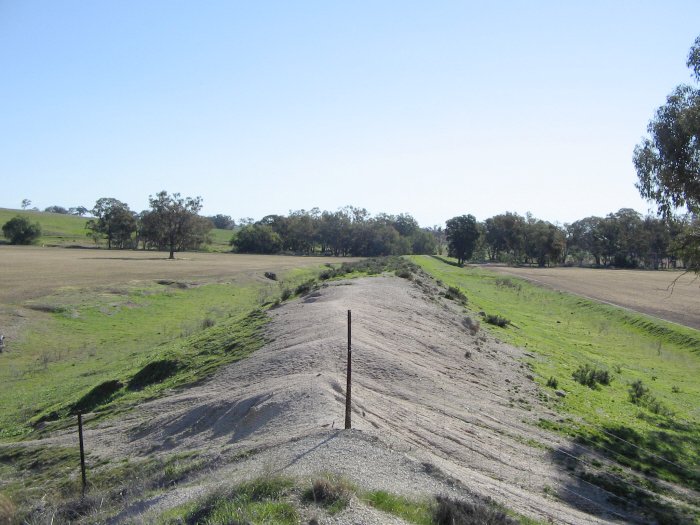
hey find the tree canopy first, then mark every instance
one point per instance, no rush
(20, 230)
(462, 234)
(113, 220)
(173, 222)
(668, 160)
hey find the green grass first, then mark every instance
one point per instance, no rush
(56, 229)
(43, 482)
(59, 229)
(418, 512)
(261, 501)
(565, 332)
(145, 338)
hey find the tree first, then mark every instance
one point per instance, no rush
(56, 209)
(26, 203)
(114, 220)
(462, 235)
(257, 238)
(78, 210)
(173, 220)
(668, 161)
(19, 230)
(222, 222)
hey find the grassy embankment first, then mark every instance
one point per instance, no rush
(89, 347)
(659, 423)
(69, 230)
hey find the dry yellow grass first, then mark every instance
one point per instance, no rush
(670, 295)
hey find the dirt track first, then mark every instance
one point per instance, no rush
(672, 296)
(436, 409)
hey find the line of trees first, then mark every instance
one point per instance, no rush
(624, 239)
(172, 223)
(348, 231)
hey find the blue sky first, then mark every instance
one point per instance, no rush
(431, 108)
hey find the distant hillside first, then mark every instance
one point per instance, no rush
(69, 230)
(56, 229)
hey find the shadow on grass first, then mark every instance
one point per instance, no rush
(446, 261)
(603, 489)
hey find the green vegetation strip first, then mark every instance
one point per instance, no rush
(630, 381)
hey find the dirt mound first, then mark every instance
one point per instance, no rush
(436, 408)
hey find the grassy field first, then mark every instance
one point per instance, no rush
(659, 419)
(59, 229)
(79, 333)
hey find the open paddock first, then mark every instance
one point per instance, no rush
(29, 272)
(670, 295)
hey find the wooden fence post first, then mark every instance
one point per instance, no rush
(348, 388)
(82, 452)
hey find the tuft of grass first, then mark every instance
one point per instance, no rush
(258, 501)
(416, 512)
(552, 382)
(449, 511)
(331, 491)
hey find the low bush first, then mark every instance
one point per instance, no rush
(640, 395)
(450, 511)
(304, 287)
(271, 275)
(496, 320)
(591, 376)
(455, 294)
(552, 382)
(472, 325)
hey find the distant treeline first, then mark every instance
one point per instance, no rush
(624, 239)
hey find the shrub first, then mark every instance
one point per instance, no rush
(19, 230)
(637, 392)
(552, 382)
(472, 325)
(497, 320)
(403, 273)
(590, 376)
(456, 294)
(449, 511)
(640, 395)
(271, 275)
(304, 287)
(286, 294)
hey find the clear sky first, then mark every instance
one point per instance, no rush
(432, 108)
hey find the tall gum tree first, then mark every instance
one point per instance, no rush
(668, 160)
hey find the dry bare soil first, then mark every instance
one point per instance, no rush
(436, 409)
(670, 295)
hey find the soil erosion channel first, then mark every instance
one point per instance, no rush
(436, 409)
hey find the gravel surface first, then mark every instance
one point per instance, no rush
(437, 409)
